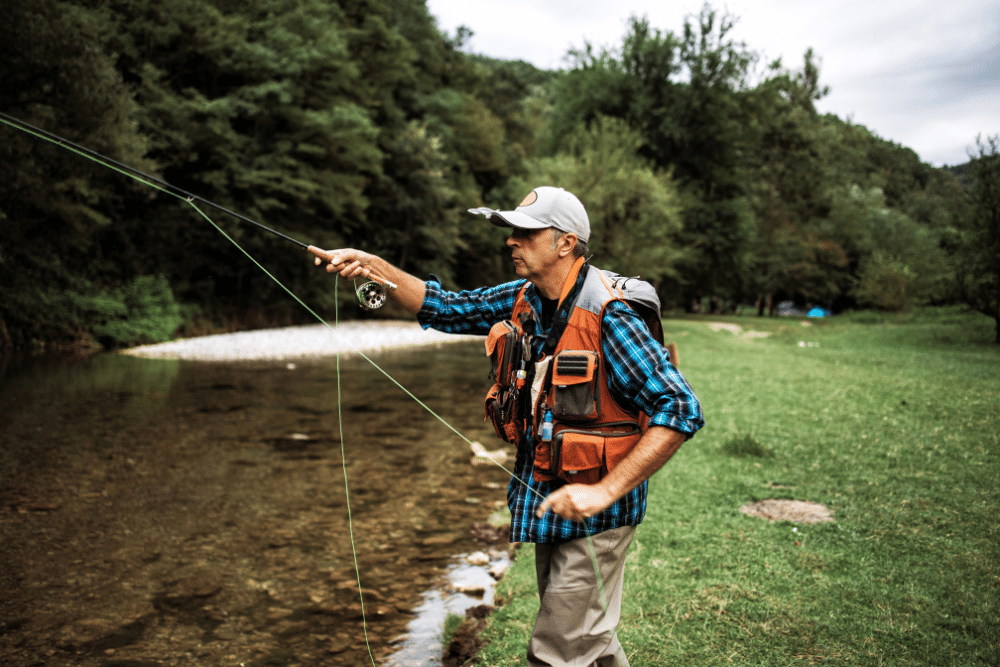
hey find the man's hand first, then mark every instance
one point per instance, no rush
(576, 502)
(349, 263)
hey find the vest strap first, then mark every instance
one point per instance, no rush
(571, 292)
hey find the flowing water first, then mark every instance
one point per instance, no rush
(157, 513)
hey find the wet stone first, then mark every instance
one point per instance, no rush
(338, 646)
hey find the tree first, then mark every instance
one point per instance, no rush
(634, 210)
(685, 94)
(257, 106)
(978, 266)
(56, 75)
(786, 251)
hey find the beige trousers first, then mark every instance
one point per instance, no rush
(576, 625)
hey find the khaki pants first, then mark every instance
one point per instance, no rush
(573, 628)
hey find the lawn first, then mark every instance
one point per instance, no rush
(891, 423)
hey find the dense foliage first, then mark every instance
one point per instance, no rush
(358, 122)
(978, 243)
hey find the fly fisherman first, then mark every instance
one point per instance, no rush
(585, 391)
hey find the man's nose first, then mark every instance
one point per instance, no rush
(511, 241)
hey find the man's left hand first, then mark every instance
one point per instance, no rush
(576, 502)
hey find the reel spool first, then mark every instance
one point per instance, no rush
(372, 295)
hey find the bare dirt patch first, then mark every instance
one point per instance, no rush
(797, 511)
(734, 329)
(737, 331)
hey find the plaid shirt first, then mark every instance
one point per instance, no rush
(640, 376)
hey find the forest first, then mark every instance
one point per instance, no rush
(360, 123)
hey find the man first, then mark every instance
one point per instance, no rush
(594, 405)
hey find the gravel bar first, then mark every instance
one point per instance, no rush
(313, 340)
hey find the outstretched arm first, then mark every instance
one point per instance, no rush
(351, 263)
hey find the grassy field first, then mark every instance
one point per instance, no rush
(893, 424)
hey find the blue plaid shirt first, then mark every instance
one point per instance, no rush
(640, 376)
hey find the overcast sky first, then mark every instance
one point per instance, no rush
(921, 73)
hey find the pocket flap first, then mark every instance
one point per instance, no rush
(574, 367)
(617, 447)
(499, 331)
(580, 451)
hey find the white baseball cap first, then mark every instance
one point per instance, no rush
(544, 207)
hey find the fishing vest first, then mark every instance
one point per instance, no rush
(579, 432)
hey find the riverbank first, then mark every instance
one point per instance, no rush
(312, 340)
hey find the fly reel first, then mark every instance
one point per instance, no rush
(372, 295)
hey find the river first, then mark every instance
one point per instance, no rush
(163, 512)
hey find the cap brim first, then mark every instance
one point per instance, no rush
(510, 218)
(516, 219)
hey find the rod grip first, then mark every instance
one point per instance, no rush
(328, 257)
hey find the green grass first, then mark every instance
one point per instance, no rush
(895, 426)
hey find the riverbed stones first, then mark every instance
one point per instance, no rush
(314, 340)
(477, 558)
(498, 570)
(218, 530)
(440, 540)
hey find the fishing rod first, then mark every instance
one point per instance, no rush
(371, 295)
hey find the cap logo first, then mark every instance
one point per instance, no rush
(529, 200)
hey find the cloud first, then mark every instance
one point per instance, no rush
(916, 72)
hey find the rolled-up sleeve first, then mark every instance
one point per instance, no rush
(641, 376)
(468, 311)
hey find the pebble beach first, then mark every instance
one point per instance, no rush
(288, 343)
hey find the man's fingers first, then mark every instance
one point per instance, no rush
(320, 253)
(573, 502)
(560, 503)
(544, 507)
(339, 261)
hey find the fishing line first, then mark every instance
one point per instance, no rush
(183, 195)
(173, 191)
(347, 492)
(593, 550)
(133, 172)
(189, 198)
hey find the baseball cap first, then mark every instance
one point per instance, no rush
(544, 207)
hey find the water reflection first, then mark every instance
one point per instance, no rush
(161, 511)
(420, 648)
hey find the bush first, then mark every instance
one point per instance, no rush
(141, 311)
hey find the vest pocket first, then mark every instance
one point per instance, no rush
(585, 456)
(575, 394)
(502, 347)
(578, 456)
(500, 406)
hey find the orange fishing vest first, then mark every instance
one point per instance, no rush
(589, 433)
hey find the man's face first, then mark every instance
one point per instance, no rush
(533, 252)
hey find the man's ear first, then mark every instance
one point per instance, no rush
(566, 244)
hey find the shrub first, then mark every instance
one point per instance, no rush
(142, 311)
